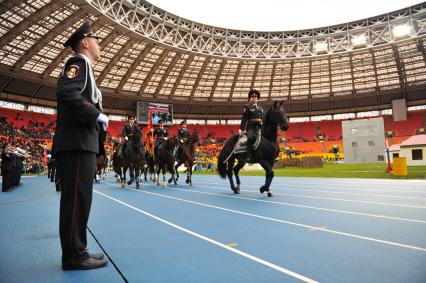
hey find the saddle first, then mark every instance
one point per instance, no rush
(241, 145)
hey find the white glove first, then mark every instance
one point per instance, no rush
(103, 119)
(241, 132)
(126, 138)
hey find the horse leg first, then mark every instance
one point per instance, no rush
(157, 175)
(176, 169)
(230, 164)
(237, 169)
(145, 172)
(164, 176)
(131, 174)
(190, 173)
(269, 176)
(172, 171)
(137, 176)
(123, 180)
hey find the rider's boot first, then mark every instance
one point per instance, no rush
(249, 152)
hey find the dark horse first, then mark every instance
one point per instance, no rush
(149, 162)
(188, 157)
(265, 154)
(165, 159)
(101, 166)
(132, 160)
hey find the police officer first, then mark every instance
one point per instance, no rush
(160, 134)
(51, 167)
(80, 124)
(6, 167)
(251, 121)
(127, 132)
(183, 137)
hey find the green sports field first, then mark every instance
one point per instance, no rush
(371, 170)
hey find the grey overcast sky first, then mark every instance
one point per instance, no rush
(278, 15)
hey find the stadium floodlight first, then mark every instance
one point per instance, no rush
(321, 47)
(359, 40)
(402, 30)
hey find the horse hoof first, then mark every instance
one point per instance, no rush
(165, 185)
(190, 183)
(175, 182)
(187, 181)
(170, 181)
(270, 194)
(158, 184)
(123, 186)
(262, 189)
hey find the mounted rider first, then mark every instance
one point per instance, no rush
(160, 134)
(183, 135)
(251, 121)
(127, 133)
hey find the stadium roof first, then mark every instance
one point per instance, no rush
(273, 15)
(149, 54)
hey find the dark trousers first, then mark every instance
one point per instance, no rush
(51, 168)
(52, 174)
(57, 180)
(252, 132)
(76, 169)
(6, 181)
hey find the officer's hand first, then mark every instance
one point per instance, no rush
(103, 119)
(241, 132)
(126, 138)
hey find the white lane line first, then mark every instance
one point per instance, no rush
(289, 204)
(338, 199)
(192, 233)
(303, 206)
(327, 191)
(340, 186)
(283, 221)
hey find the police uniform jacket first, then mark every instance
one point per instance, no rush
(183, 134)
(76, 125)
(129, 130)
(252, 116)
(161, 133)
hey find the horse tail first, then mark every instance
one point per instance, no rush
(224, 154)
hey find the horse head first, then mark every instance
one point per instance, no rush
(171, 143)
(278, 116)
(136, 137)
(195, 138)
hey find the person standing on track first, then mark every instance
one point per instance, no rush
(81, 125)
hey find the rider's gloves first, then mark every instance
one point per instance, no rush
(103, 119)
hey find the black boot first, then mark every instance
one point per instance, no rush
(249, 153)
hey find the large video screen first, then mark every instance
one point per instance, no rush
(159, 111)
